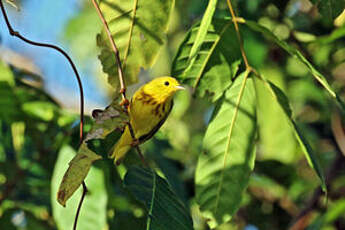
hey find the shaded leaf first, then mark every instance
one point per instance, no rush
(224, 167)
(93, 213)
(329, 9)
(281, 98)
(138, 29)
(294, 52)
(77, 171)
(212, 69)
(165, 210)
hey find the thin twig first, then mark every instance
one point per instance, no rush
(234, 20)
(117, 55)
(79, 205)
(81, 137)
(125, 101)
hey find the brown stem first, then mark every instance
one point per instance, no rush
(125, 101)
(116, 53)
(79, 205)
(234, 20)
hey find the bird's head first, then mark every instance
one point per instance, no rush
(162, 88)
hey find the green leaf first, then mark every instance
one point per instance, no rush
(203, 28)
(212, 69)
(334, 212)
(93, 212)
(6, 74)
(8, 100)
(138, 29)
(77, 171)
(311, 157)
(75, 33)
(335, 35)
(329, 9)
(43, 110)
(225, 165)
(295, 53)
(272, 122)
(165, 210)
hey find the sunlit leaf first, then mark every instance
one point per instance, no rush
(40, 109)
(6, 74)
(138, 28)
(77, 171)
(335, 35)
(227, 160)
(203, 28)
(281, 98)
(213, 67)
(277, 140)
(93, 213)
(165, 210)
(76, 33)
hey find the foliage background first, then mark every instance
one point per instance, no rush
(39, 120)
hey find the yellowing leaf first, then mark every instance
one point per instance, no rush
(108, 120)
(77, 171)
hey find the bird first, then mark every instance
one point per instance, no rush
(148, 110)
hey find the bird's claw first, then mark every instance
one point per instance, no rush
(135, 142)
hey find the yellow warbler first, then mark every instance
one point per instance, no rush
(148, 110)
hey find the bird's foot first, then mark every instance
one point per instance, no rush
(135, 142)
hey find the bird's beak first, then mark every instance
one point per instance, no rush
(178, 87)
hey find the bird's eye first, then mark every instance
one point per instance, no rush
(166, 83)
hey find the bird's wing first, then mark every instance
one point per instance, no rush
(152, 132)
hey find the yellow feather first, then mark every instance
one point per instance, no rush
(149, 107)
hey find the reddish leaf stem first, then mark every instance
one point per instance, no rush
(125, 101)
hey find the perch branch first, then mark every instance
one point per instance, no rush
(125, 101)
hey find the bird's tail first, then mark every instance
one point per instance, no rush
(120, 149)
